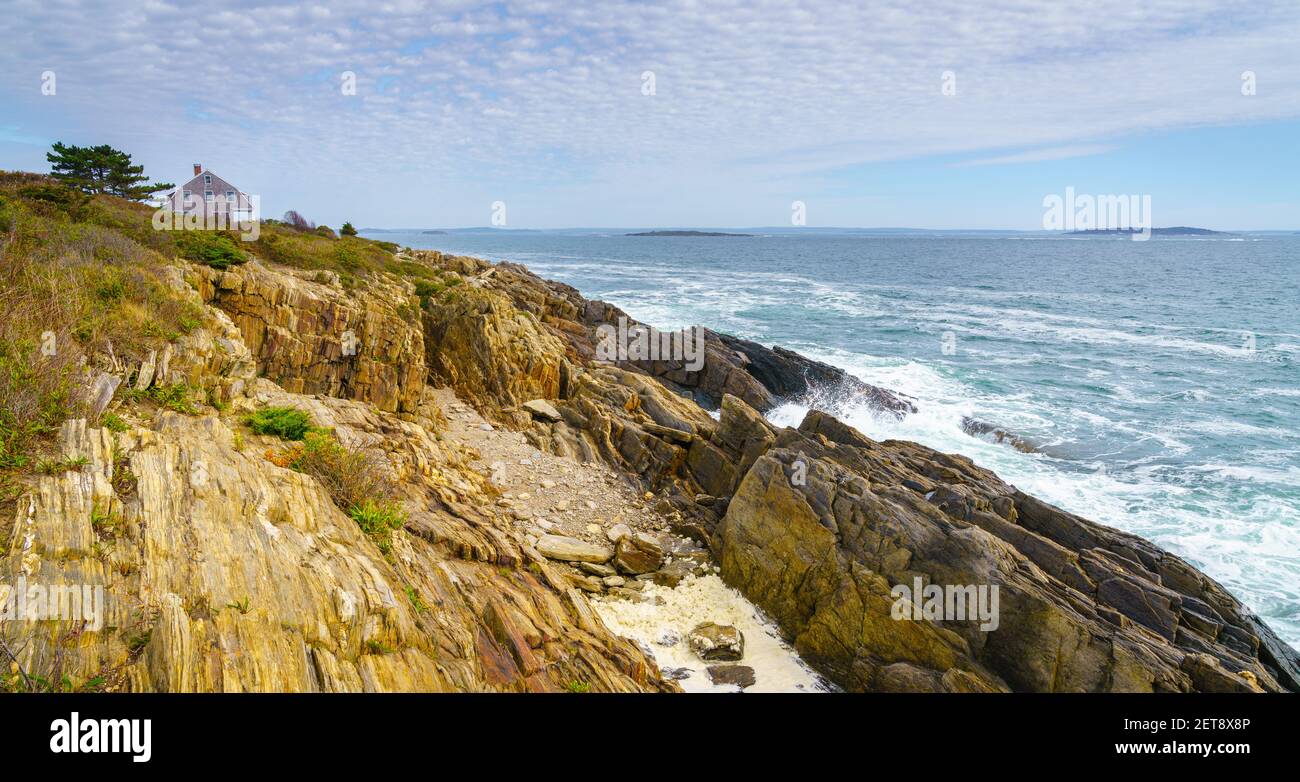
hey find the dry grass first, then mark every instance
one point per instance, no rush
(73, 292)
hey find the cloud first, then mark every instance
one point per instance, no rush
(1039, 155)
(455, 99)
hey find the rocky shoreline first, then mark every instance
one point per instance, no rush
(538, 478)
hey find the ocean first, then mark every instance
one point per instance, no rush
(1159, 380)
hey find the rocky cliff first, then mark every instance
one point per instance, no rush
(229, 566)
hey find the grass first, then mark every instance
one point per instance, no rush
(287, 423)
(379, 519)
(57, 466)
(416, 602)
(358, 483)
(113, 423)
(80, 277)
(86, 281)
(177, 398)
(579, 687)
(379, 647)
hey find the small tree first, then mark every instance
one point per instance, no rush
(295, 220)
(101, 170)
(348, 230)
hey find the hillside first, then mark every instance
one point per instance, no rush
(312, 463)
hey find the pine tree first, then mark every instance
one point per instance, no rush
(101, 170)
(348, 230)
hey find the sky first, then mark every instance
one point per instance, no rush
(677, 114)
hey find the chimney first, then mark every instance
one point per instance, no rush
(198, 169)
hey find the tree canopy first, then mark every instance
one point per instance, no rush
(101, 170)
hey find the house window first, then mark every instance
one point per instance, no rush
(207, 179)
(207, 195)
(230, 196)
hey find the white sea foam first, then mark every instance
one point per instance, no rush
(661, 624)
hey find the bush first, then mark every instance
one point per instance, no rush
(287, 423)
(348, 230)
(358, 483)
(379, 520)
(210, 247)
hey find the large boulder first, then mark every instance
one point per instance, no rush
(838, 537)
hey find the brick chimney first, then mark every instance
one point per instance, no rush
(198, 169)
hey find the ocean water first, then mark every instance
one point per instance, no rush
(1160, 379)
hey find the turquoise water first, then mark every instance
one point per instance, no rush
(1161, 379)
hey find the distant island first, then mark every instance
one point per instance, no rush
(1178, 230)
(685, 233)
(433, 232)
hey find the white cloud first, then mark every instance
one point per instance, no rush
(1039, 155)
(758, 95)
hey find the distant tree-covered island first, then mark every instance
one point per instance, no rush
(686, 233)
(1177, 230)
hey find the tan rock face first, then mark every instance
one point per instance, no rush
(313, 337)
(490, 352)
(225, 572)
(828, 523)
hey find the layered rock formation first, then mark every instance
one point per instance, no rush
(827, 522)
(226, 570)
(1083, 607)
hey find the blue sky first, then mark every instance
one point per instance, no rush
(542, 105)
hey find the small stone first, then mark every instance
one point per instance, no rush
(548, 484)
(712, 641)
(676, 674)
(524, 495)
(542, 409)
(568, 549)
(486, 427)
(613, 581)
(639, 553)
(741, 676)
(593, 529)
(618, 532)
(596, 569)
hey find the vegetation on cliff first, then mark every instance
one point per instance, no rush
(255, 461)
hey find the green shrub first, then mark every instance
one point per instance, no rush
(113, 422)
(359, 484)
(174, 397)
(379, 520)
(213, 248)
(287, 423)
